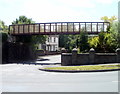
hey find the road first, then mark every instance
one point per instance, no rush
(27, 78)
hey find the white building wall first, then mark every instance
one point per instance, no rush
(52, 43)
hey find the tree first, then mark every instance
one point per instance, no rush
(68, 41)
(33, 39)
(93, 42)
(83, 42)
(115, 33)
(3, 27)
(103, 43)
(3, 31)
(107, 42)
(111, 20)
(23, 20)
(4, 36)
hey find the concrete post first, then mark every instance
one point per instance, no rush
(92, 56)
(118, 55)
(63, 50)
(74, 56)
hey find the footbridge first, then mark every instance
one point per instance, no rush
(54, 28)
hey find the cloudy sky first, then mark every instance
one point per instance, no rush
(58, 10)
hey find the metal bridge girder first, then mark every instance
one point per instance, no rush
(55, 28)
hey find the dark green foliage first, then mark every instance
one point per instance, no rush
(68, 41)
(74, 41)
(3, 27)
(107, 42)
(4, 36)
(23, 20)
(83, 42)
(24, 39)
(31, 39)
(36, 39)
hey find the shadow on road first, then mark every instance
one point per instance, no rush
(34, 63)
(42, 59)
(39, 61)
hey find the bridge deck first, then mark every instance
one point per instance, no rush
(58, 28)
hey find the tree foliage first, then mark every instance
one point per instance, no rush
(34, 39)
(111, 19)
(4, 36)
(115, 33)
(83, 42)
(68, 41)
(107, 42)
(3, 31)
(3, 27)
(23, 20)
(74, 41)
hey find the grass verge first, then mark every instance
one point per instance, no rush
(82, 68)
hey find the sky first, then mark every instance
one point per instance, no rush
(58, 10)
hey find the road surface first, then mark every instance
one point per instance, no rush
(27, 78)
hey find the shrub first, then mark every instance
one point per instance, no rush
(4, 36)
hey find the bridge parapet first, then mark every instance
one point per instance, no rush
(58, 28)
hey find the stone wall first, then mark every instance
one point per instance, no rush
(89, 58)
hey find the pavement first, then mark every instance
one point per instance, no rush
(28, 78)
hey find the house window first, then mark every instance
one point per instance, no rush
(48, 39)
(54, 39)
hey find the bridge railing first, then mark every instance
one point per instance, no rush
(58, 28)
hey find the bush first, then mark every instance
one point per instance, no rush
(4, 36)
(104, 42)
(83, 42)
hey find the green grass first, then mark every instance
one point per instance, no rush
(91, 67)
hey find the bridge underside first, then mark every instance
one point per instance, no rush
(58, 28)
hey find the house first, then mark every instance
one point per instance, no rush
(51, 44)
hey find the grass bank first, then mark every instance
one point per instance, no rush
(82, 68)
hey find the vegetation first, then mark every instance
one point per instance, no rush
(23, 20)
(82, 68)
(35, 39)
(83, 42)
(104, 42)
(111, 20)
(3, 27)
(3, 31)
(74, 41)
(107, 42)
(4, 36)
